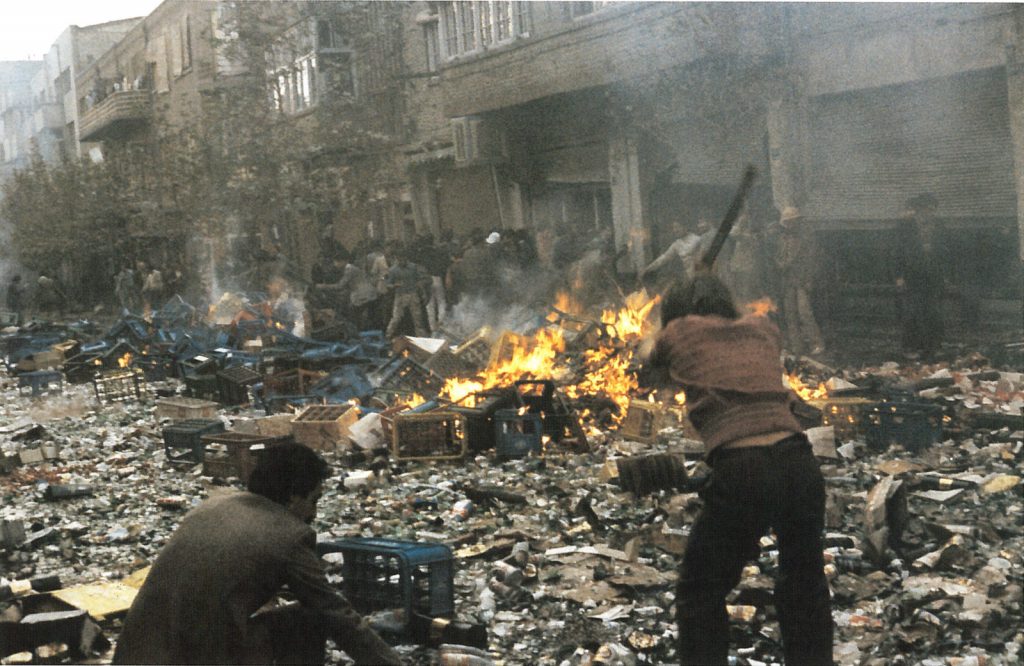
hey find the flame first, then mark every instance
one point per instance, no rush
(522, 358)
(566, 304)
(803, 390)
(125, 360)
(629, 323)
(606, 369)
(761, 307)
(680, 398)
(415, 400)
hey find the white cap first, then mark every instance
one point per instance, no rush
(493, 238)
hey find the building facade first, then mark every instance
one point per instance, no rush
(585, 116)
(16, 114)
(347, 120)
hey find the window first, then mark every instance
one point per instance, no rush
(485, 23)
(451, 35)
(503, 20)
(186, 43)
(328, 37)
(325, 71)
(468, 27)
(430, 37)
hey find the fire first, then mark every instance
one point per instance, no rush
(679, 398)
(606, 369)
(761, 307)
(803, 390)
(125, 360)
(566, 304)
(529, 358)
(630, 323)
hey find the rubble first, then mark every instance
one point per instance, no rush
(561, 553)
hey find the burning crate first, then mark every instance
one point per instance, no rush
(405, 374)
(39, 381)
(119, 385)
(505, 349)
(183, 441)
(233, 384)
(156, 367)
(404, 576)
(517, 435)
(478, 410)
(436, 435)
(446, 364)
(643, 421)
(82, 367)
(185, 409)
(475, 352)
(847, 415)
(324, 427)
(234, 453)
(539, 397)
(912, 425)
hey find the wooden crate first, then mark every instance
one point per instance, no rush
(184, 409)
(324, 427)
(437, 435)
(643, 421)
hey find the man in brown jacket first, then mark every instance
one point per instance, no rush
(202, 600)
(764, 474)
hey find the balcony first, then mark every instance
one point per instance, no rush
(48, 116)
(116, 115)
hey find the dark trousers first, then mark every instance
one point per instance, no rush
(752, 489)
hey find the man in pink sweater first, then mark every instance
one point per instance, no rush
(764, 475)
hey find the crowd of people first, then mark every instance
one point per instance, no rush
(413, 287)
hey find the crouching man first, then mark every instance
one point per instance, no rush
(229, 557)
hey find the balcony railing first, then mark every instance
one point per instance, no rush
(117, 114)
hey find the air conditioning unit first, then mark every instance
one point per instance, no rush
(478, 141)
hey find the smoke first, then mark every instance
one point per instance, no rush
(516, 301)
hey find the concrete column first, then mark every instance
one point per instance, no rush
(787, 145)
(1015, 99)
(627, 202)
(424, 197)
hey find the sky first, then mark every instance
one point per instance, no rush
(29, 27)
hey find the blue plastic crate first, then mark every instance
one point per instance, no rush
(183, 440)
(517, 435)
(344, 384)
(97, 347)
(233, 384)
(388, 574)
(40, 381)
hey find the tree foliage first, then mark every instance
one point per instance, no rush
(234, 164)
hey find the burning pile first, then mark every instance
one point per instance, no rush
(605, 369)
(601, 371)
